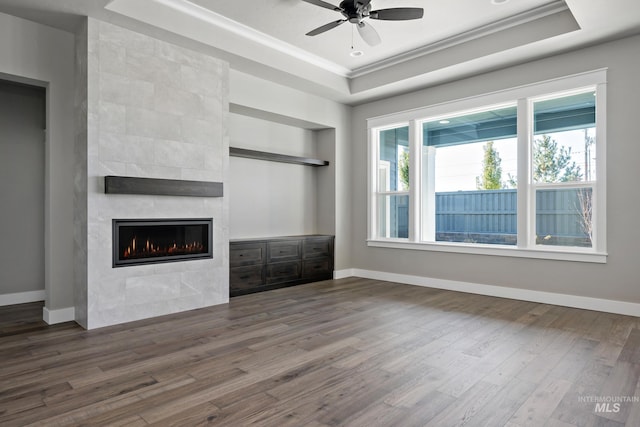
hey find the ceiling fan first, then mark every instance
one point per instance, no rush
(356, 11)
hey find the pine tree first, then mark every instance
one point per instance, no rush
(553, 164)
(403, 165)
(491, 178)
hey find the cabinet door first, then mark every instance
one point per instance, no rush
(243, 278)
(317, 267)
(281, 272)
(317, 247)
(284, 250)
(246, 253)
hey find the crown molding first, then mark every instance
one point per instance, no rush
(253, 35)
(210, 17)
(557, 6)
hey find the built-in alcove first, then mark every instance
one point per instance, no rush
(272, 189)
(281, 184)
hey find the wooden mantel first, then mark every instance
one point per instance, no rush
(161, 187)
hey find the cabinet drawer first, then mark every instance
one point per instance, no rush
(284, 250)
(317, 267)
(313, 248)
(246, 277)
(246, 254)
(283, 271)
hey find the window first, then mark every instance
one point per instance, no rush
(466, 161)
(564, 168)
(393, 183)
(518, 173)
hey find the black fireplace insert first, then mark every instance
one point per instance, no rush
(148, 241)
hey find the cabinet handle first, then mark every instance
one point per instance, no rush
(244, 277)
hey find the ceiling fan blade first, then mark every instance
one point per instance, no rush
(323, 4)
(368, 34)
(397, 14)
(326, 27)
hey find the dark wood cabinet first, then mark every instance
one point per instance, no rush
(283, 250)
(247, 277)
(262, 264)
(282, 272)
(247, 254)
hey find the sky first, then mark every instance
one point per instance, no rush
(458, 166)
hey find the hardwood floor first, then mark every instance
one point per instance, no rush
(350, 352)
(21, 318)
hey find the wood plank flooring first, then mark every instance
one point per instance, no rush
(351, 352)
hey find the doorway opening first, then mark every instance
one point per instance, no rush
(22, 191)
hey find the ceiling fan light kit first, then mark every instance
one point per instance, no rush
(356, 11)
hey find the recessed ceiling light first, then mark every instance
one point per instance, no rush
(356, 53)
(444, 122)
(499, 1)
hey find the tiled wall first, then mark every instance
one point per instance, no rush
(153, 110)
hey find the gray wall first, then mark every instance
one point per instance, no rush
(43, 56)
(267, 198)
(22, 143)
(617, 279)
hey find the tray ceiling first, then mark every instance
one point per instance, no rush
(267, 38)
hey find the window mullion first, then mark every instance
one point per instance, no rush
(525, 196)
(414, 180)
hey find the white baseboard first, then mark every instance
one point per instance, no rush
(58, 316)
(343, 274)
(588, 303)
(22, 297)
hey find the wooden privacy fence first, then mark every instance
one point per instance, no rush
(490, 216)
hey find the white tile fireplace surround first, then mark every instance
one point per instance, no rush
(149, 109)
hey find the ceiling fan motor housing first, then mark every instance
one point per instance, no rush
(355, 11)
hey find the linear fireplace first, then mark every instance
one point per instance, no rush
(147, 241)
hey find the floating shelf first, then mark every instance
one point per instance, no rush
(161, 187)
(274, 157)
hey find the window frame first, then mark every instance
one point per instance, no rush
(523, 97)
(374, 183)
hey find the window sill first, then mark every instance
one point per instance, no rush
(559, 254)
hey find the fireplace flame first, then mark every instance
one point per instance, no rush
(151, 249)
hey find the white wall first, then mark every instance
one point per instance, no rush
(270, 199)
(43, 56)
(22, 126)
(618, 279)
